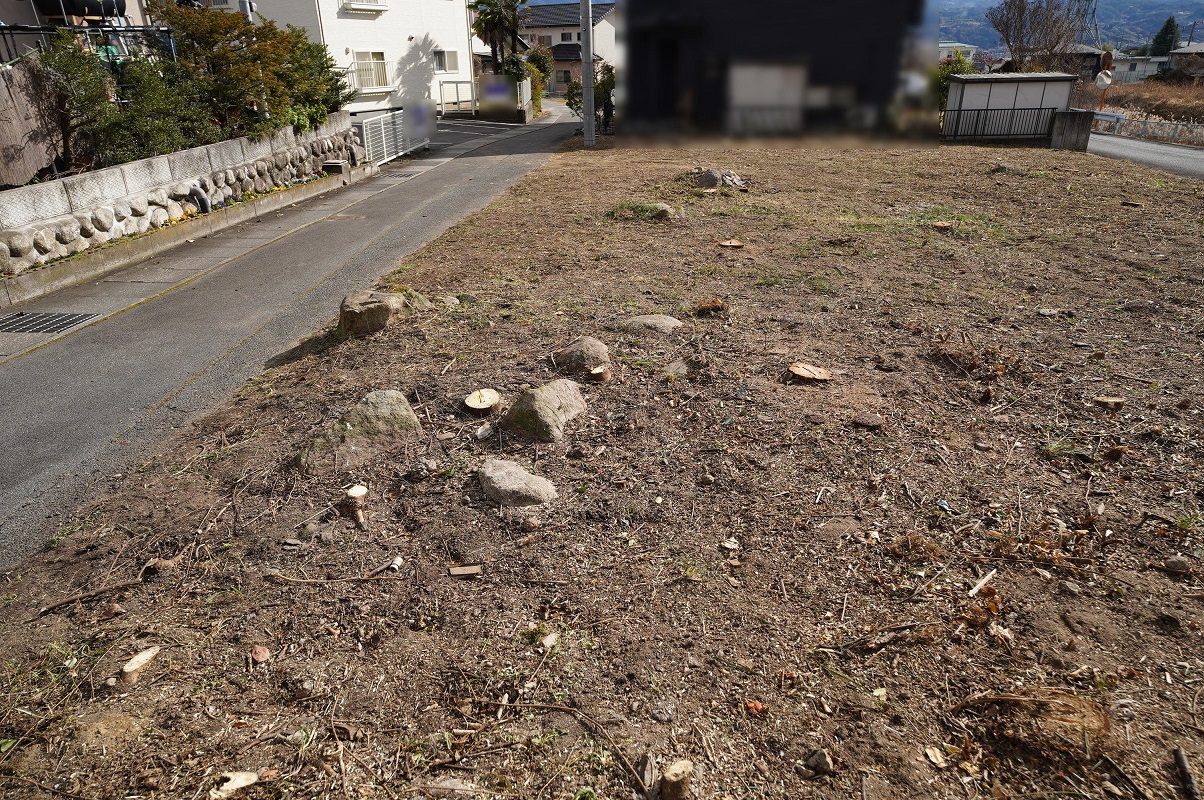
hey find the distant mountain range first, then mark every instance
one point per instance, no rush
(1122, 23)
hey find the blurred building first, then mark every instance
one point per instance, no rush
(764, 66)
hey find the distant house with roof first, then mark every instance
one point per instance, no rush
(557, 26)
(1131, 69)
(948, 49)
(1183, 54)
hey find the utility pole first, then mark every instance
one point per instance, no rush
(587, 73)
(1191, 36)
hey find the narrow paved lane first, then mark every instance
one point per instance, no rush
(1188, 161)
(85, 407)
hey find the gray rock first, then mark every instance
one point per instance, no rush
(86, 228)
(19, 243)
(139, 205)
(174, 209)
(509, 484)
(820, 762)
(158, 217)
(382, 422)
(43, 240)
(659, 323)
(713, 178)
(581, 356)
(157, 197)
(67, 230)
(676, 369)
(365, 313)
(1177, 565)
(869, 421)
(542, 413)
(179, 191)
(103, 219)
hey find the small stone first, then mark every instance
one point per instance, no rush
(658, 323)
(820, 762)
(870, 421)
(1109, 402)
(542, 413)
(1047, 312)
(1177, 565)
(467, 298)
(581, 356)
(677, 369)
(663, 714)
(663, 211)
(449, 300)
(1071, 588)
(509, 484)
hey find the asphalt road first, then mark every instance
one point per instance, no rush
(1174, 158)
(86, 407)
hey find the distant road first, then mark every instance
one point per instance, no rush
(1175, 158)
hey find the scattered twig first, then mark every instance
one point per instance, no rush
(1190, 790)
(43, 787)
(986, 579)
(349, 579)
(75, 598)
(1140, 792)
(590, 723)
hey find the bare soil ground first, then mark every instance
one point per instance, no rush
(957, 568)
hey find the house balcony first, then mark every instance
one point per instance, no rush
(369, 77)
(371, 6)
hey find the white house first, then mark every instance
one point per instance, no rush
(947, 49)
(392, 49)
(1131, 69)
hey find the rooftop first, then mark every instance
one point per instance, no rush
(561, 15)
(1013, 77)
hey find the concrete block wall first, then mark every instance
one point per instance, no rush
(51, 220)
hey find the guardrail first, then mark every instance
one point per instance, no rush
(385, 138)
(997, 123)
(1153, 130)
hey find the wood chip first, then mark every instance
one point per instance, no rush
(1109, 402)
(232, 782)
(943, 225)
(133, 668)
(986, 579)
(809, 372)
(731, 243)
(1132, 203)
(465, 571)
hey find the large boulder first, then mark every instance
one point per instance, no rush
(581, 357)
(542, 413)
(380, 423)
(509, 484)
(365, 313)
(19, 242)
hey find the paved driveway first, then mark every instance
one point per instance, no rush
(1181, 160)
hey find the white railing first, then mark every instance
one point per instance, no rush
(385, 138)
(1154, 130)
(366, 5)
(369, 76)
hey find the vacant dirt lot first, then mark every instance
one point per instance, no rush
(968, 566)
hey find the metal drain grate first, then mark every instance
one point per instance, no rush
(399, 174)
(41, 322)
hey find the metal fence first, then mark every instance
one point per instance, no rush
(998, 123)
(457, 97)
(385, 138)
(1171, 132)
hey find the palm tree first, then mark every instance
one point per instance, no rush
(496, 21)
(491, 26)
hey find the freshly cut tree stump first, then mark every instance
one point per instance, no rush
(675, 782)
(482, 401)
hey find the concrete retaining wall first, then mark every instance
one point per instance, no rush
(48, 221)
(1072, 130)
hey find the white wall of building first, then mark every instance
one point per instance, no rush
(605, 46)
(404, 34)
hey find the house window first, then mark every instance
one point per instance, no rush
(566, 36)
(1133, 67)
(578, 35)
(564, 76)
(544, 41)
(447, 61)
(370, 70)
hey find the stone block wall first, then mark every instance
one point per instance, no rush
(47, 221)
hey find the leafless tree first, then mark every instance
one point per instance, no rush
(1040, 33)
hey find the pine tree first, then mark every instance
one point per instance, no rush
(1167, 38)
